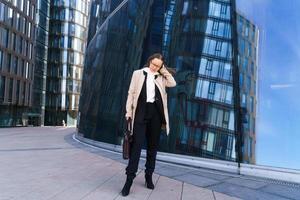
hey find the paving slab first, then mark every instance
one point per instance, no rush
(191, 192)
(196, 180)
(220, 196)
(171, 171)
(287, 191)
(246, 182)
(167, 188)
(244, 192)
(109, 189)
(216, 175)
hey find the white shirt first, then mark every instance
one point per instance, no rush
(150, 85)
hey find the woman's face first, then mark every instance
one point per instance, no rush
(155, 64)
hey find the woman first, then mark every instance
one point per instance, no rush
(147, 110)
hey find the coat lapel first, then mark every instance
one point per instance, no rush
(158, 83)
(140, 82)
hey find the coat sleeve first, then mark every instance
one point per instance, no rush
(168, 78)
(129, 102)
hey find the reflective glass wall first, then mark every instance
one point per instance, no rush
(67, 41)
(114, 51)
(37, 112)
(201, 49)
(202, 106)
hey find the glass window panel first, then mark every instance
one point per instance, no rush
(14, 2)
(227, 71)
(214, 9)
(213, 116)
(8, 62)
(13, 38)
(4, 37)
(27, 7)
(229, 95)
(244, 100)
(2, 88)
(205, 87)
(184, 136)
(215, 69)
(2, 12)
(185, 7)
(18, 91)
(9, 16)
(251, 104)
(217, 96)
(220, 118)
(26, 70)
(14, 64)
(186, 25)
(231, 120)
(210, 141)
(202, 66)
(1, 60)
(209, 26)
(233, 149)
(10, 89)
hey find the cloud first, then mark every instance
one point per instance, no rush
(281, 86)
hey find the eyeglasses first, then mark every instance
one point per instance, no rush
(157, 66)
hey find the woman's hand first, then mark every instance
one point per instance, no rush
(128, 119)
(163, 70)
(168, 78)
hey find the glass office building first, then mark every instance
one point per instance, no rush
(248, 37)
(67, 40)
(17, 37)
(198, 40)
(37, 112)
(113, 53)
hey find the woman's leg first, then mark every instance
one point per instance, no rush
(136, 147)
(153, 134)
(135, 153)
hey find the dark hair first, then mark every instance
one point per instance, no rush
(156, 55)
(159, 56)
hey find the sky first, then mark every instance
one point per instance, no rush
(278, 110)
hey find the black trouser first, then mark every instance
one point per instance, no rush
(151, 128)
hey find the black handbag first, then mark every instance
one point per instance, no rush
(127, 140)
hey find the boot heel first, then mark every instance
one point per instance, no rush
(127, 186)
(148, 182)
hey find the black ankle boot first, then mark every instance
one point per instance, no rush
(148, 181)
(126, 188)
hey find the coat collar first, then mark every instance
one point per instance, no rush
(146, 71)
(157, 81)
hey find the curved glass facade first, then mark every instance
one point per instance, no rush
(67, 40)
(17, 36)
(37, 112)
(113, 53)
(202, 106)
(197, 39)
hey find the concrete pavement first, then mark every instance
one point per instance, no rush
(47, 163)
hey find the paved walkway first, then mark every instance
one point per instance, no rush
(47, 163)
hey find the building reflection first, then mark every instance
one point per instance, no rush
(196, 39)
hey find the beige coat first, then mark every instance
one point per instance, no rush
(162, 81)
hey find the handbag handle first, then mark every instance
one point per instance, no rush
(129, 126)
